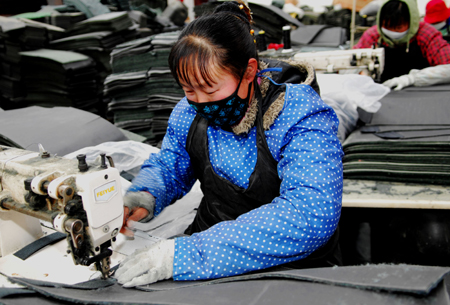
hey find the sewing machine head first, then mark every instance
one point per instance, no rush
(355, 61)
(83, 201)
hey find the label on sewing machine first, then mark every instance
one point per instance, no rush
(104, 192)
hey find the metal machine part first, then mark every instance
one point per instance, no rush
(356, 61)
(81, 200)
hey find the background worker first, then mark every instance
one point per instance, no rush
(438, 15)
(263, 145)
(413, 49)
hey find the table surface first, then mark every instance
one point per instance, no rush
(381, 194)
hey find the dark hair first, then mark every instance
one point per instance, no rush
(221, 39)
(394, 13)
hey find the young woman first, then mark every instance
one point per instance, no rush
(263, 145)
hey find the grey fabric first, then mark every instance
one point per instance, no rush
(318, 35)
(413, 134)
(383, 284)
(395, 278)
(421, 106)
(75, 129)
(399, 128)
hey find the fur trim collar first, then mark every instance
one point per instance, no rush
(275, 108)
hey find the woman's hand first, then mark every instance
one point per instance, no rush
(147, 265)
(138, 206)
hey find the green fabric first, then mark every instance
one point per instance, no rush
(34, 15)
(423, 158)
(62, 57)
(413, 24)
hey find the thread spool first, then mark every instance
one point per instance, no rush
(262, 46)
(287, 38)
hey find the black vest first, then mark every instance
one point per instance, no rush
(222, 199)
(399, 62)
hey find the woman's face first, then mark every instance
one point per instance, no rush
(224, 84)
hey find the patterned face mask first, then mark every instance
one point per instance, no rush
(226, 112)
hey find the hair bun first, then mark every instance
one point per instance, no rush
(238, 8)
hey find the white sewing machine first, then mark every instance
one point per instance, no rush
(356, 61)
(83, 201)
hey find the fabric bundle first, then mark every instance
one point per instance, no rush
(16, 35)
(407, 140)
(60, 78)
(141, 89)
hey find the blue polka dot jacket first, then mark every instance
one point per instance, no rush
(300, 130)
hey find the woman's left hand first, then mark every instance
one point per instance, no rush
(147, 265)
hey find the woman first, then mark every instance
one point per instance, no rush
(264, 149)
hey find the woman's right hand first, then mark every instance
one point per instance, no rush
(138, 206)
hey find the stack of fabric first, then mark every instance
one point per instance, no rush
(96, 37)
(141, 89)
(407, 140)
(60, 78)
(16, 35)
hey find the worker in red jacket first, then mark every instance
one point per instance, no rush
(415, 52)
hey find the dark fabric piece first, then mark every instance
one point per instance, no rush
(412, 279)
(223, 200)
(306, 34)
(35, 246)
(357, 138)
(7, 292)
(372, 284)
(400, 128)
(76, 129)
(88, 285)
(413, 134)
(399, 62)
(418, 158)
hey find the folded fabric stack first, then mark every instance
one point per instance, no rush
(141, 89)
(60, 78)
(16, 35)
(50, 15)
(407, 140)
(96, 37)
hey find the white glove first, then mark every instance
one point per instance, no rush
(400, 82)
(147, 265)
(134, 200)
(429, 76)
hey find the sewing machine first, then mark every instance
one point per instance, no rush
(82, 200)
(355, 61)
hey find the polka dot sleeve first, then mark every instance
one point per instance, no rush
(168, 174)
(302, 219)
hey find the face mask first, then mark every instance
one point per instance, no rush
(226, 112)
(394, 35)
(439, 25)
